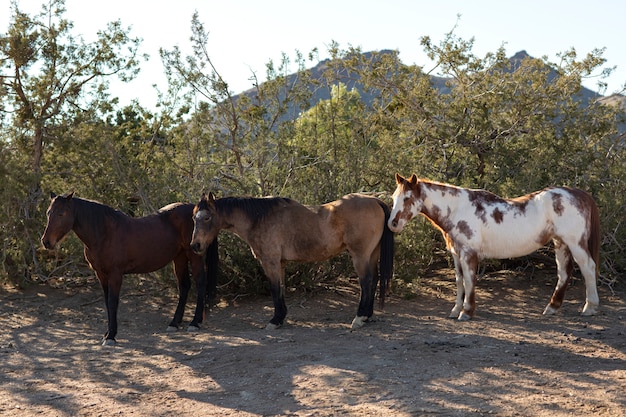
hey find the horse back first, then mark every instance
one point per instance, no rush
(314, 233)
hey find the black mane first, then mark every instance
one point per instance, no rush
(92, 214)
(255, 208)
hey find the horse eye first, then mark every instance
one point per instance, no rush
(406, 199)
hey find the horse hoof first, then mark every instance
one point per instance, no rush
(193, 329)
(464, 316)
(171, 329)
(588, 311)
(549, 310)
(272, 326)
(358, 322)
(109, 342)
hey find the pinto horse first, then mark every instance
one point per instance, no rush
(477, 224)
(116, 244)
(279, 230)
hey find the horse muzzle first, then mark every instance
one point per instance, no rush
(395, 226)
(197, 248)
(47, 244)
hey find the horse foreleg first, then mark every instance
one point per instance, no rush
(183, 282)
(111, 285)
(276, 275)
(460, 288)
(200, 275)
(469, 266)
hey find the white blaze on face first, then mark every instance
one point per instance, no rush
(196, 237)
(403, 210)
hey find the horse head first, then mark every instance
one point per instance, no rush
(407, 202)
(205, 226)
(60, 215)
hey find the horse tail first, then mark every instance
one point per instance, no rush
(593, 243)
(211, 261)
(387, 242)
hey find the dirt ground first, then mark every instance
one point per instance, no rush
(411, 361)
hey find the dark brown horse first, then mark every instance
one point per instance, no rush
(279, 230)
(116, 244)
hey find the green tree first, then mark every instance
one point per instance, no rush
(508, 125)
(240, 134)
(333, 151)
(49, 77)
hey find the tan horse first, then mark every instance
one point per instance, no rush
(279, 230)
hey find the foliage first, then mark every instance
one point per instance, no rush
(49, 78)
(510, 125)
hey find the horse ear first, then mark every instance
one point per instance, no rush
(399, 178)
(70, 195)
(413, 179)
(211, 196)
(52, 195)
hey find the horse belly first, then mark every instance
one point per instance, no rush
(511, 243)
(148, 255)
(311, 249)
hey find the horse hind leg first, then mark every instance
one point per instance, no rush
(275, 272)
(588, 269)
(368, 289)
(565, 267)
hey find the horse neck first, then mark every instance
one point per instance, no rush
(439, 201)
(90, 221)
(235, 220)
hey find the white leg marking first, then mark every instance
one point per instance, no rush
(589, 309)
(272, 326)
(549, 310)
(463, 316)
(108, 343)
(460, 288)
(468, 283)
(588, 269)
(358, 322)
(171, 329)
(193, 329)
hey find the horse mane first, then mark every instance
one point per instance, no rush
(255, 208)
(93, 213)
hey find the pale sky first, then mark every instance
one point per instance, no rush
(246, 34)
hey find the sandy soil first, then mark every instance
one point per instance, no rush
(411, 361)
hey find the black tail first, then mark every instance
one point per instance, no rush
(211, 259)
(387, 242)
